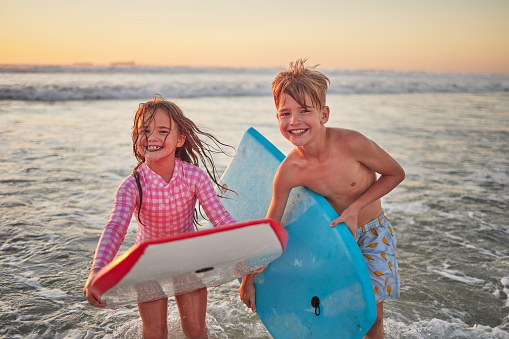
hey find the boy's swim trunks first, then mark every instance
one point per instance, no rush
(377, 242)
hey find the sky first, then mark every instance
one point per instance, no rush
(458, 36)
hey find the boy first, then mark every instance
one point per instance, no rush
(341, 165)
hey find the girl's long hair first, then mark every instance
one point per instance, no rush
(194, 150)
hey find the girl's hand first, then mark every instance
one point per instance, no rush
(350, 218)
(86, 290)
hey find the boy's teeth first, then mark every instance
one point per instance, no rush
(296, 131)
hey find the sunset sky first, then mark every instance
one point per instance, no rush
(467, 36)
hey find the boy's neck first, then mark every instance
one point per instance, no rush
(316, 149)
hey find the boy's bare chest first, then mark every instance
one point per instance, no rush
(335, 178)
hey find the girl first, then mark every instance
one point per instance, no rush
(162, 192)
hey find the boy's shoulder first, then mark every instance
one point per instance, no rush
(340, 140)
(347, 139)
(343, 134)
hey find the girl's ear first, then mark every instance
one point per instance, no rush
(181, 140)
(324, 115)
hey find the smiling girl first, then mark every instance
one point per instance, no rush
(161, 192)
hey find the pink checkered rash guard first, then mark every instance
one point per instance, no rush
(167, 208)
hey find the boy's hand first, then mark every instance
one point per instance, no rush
(247, 291)
(86, 290)
(350, 219)
(259, 270)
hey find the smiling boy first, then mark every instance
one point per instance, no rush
(341, 165)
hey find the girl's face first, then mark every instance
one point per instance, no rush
(158, 137)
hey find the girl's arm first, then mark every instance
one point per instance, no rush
(86, 290)
(113, 234)
(211, 204)
(115, 230)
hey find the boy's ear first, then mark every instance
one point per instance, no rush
(324, 114)
(181, 140)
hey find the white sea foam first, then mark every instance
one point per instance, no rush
(505, 282)
(55, 295)
(440, 329)
(223, 322)
(455, 275)
(505, 289)
(61, 83)
(433, 329)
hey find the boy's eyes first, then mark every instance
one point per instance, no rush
(284, 114)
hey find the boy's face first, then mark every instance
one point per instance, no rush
(299, 124)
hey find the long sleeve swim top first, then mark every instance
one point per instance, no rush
(167, 208)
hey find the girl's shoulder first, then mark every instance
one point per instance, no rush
(128, 180)
(128, 185)
(191, 171)
(194, 176)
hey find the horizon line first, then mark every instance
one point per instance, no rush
(127, 64)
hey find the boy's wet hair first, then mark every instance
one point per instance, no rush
(194, 150)
(298, 81)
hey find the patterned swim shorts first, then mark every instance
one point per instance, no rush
(377, 242)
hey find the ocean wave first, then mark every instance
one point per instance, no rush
(124, 68)
(115, 92)
(439, 329)
(62, 83)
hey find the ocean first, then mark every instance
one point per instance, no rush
(65, 135)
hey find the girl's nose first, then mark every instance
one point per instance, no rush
(151, 136)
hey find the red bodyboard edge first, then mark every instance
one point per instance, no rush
(112, 273)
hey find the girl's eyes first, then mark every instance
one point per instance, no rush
(147, 131)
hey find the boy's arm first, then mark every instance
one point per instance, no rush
(375, 158)
(280, 192)
(282, 186)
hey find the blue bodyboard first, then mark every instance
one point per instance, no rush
(320, 287)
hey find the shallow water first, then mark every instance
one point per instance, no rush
(62, 162)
